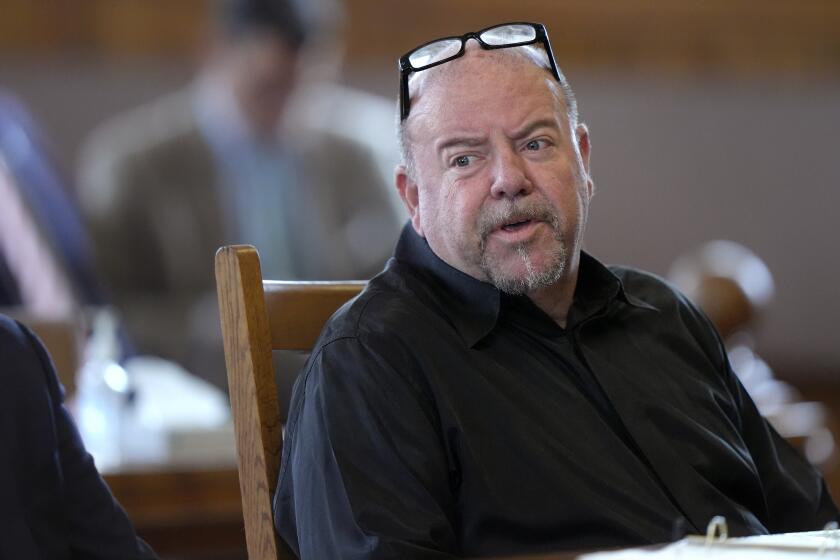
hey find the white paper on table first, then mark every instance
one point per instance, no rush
(176, 418)
(785, 546)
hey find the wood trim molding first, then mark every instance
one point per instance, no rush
(733, 36)
(123, 28)
(686, 35)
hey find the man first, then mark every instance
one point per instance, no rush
(53, 503)
(227, 161)
(498, 391)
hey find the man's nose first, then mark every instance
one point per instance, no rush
(509, 178)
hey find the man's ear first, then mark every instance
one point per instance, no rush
(584, 148)
(407, 188)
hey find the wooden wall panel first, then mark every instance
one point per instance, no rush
(730, 35)
(101, 27)
(676, 36)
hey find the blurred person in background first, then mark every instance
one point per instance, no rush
(53, 503)
(47, 264)
(240, 156)
(48, 276)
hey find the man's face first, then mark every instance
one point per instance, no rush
(262, 71)
(501, 189)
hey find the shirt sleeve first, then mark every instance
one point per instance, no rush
(365, 473)
(795, 494)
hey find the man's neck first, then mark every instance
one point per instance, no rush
(556, 300)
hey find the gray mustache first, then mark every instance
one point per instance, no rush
(493, 218)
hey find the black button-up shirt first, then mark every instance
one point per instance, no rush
(438, 417)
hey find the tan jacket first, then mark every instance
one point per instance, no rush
(151, 191)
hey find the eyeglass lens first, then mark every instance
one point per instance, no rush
(496, 36)
(434, 52)
(508, 34)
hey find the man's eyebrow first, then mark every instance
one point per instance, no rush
(470, 141)
(529, 128)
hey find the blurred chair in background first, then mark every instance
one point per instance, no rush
(231, 159)
(734, 287)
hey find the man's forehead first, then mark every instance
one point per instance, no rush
(475, 63)
(482, 78)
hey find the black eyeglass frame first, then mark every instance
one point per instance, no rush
(406, 68)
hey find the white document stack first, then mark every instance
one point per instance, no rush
(788, 546)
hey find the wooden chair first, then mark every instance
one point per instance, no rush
(259, 316)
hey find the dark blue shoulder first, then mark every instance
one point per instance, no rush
(12, 334)
(25, 364)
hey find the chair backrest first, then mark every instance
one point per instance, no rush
(259, 316)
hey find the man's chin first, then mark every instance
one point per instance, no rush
(520, 271)
(519, 280)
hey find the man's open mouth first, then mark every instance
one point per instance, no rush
(514, 226)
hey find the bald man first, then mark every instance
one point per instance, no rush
(497, 390)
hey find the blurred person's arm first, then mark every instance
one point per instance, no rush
(56, 501)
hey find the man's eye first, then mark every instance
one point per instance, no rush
(535, 145)
(462, 161)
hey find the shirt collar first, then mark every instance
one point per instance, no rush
(470, 304)
(473, 306)
(598, 286)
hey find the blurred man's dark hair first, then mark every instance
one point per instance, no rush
(281, 18)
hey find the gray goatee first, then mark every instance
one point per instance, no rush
(534, 278)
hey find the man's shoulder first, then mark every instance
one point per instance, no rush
(337, 158)
(673, 307)
(160, 137)
(17, 342)
(12, 335)
(381, 338)
(157, 122)
(647, 287)
(383, 309)
(24, 363)
(147, 131)
(397, 309)
(337, 116)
